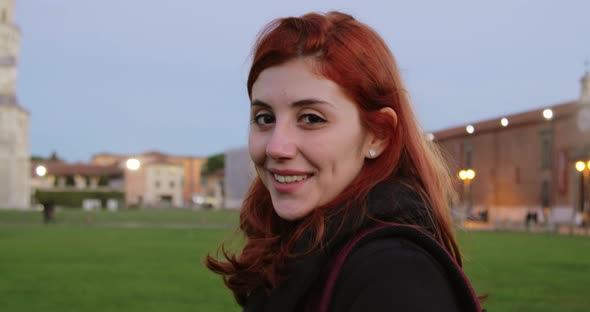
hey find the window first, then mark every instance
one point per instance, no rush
(70, 180)
(171, 184)
(157, 184)
(546, 146)
(468, 150)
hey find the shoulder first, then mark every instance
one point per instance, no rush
(392, 272)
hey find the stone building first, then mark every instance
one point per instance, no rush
(14, 119)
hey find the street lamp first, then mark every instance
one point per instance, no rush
(548, 114)
(133, 164)
(582, 167)
(41, 170)
(504, 122)
(466, 176)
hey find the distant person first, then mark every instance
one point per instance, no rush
(350, 207)
(48, 212)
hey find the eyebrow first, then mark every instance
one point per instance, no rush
(300, 103)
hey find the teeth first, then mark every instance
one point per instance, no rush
(289, 179)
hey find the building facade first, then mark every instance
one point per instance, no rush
(79, 176)
(213, 195)
(146, 187)
(525, 164)
(164, 184)
(239, 173)
(76, 185)
(14, 119)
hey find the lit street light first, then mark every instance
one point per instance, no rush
(133, 164)
(466, 176)
(580, 166)
(504, 122)
(548, 114)
(41, 170)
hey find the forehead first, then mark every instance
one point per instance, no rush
(294, 81)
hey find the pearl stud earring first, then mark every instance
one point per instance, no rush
(372, 154)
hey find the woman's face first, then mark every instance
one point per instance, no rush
(306, 138)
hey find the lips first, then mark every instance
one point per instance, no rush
(288, 181)
(289, 178)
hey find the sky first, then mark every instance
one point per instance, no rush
(129, 76)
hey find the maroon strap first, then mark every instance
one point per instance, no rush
(336, 266)
(337, 262)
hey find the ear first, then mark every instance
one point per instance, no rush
(375, 144)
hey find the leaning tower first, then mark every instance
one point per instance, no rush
(14, 119)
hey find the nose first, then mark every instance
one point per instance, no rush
(282, 143)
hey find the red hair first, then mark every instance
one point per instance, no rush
(355, 57)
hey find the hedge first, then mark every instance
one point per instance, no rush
(75, 198)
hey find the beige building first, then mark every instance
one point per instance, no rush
(77, 185)
(164, 184)
(158, 183)
(14, 119)
(149, 186)
(213, 190)
(52, 175)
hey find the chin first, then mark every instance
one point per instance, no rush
(290, 213)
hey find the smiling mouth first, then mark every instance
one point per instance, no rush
(289, 178)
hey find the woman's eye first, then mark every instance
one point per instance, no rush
(264, 119)
(312, 119)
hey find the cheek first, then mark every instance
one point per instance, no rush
(342, 145)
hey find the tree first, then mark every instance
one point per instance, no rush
(213, 164)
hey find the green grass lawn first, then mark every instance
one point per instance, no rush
(529, 272)
(144, 217)
(107, 265)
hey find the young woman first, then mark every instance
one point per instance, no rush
(350, 207)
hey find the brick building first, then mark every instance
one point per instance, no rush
(525, 163)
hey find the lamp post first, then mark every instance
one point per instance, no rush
(466, 176)
(583, 168)
(580, 166)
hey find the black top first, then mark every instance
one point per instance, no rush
(385, 272)
(392, 274)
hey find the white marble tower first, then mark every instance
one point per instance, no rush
(14, 119)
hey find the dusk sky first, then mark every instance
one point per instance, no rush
(129, 76)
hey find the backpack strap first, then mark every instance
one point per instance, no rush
(462, 287)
